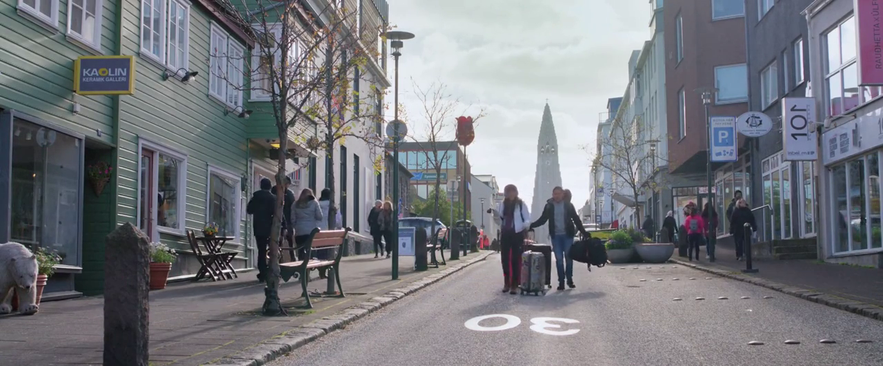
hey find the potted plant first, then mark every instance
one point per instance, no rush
(99, 174)
(654, 252)
(161, 258)
(620, 247)
(210, 230)
(46, 262)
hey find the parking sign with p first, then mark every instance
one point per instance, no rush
(723, 139)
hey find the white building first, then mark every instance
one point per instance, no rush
(484, 196)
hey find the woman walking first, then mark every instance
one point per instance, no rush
(306, 217)
(709, 215)
(695, 230)
(670, 226)
(386, 225)
(375, 227)
(514, 218)
(325, 206)
(741, 215)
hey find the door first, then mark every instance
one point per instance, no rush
(148, 190)
(357, 199)
(343, 184)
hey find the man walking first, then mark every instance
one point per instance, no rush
(263, 207)
(374, 225)
(563, 223)
(286, 212)
(737, 195)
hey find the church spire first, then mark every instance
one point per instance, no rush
(548, 170)
(547, 129)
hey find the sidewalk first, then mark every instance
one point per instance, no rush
(849, 282)
(196, 323)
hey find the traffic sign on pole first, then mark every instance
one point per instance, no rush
(723, 139)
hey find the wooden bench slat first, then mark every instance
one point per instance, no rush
(327, 242)
(311, 265)
(330, 234)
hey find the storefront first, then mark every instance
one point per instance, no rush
(729, 179)
(41, 191)
(789, 201)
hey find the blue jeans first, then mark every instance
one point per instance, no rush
(561, 246)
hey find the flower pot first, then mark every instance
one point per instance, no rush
(655, 252)
(98, 185)
(620, 255)
(159, 274)
(41, 283)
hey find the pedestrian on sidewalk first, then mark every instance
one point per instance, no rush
(737, 195)
(287, 229)
(262, 207)
(306, 217)
(741, 215)
(709, 215)
(670, 225)
(327, 210)
(514, 219)
(563, 224)
(648, 227)
(695, 229)
(374, 225)
(386, 226)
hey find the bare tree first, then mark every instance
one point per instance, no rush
(438, 108)
(302, 68)
(628, 152)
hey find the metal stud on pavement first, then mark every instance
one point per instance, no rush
(767, 297)
(863, 341)
(677, 299)
(700, 298)
(745, 297)
(791, 341)
(827, 341)
(722, 298)
(755, 343)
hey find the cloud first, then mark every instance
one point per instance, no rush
(509, 56)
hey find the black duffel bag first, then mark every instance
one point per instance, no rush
(590, 251)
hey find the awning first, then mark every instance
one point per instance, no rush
(627, 201)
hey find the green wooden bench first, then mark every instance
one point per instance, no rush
(319, 241)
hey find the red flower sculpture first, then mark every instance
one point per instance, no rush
(465, 131)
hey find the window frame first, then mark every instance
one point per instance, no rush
(797, 56)
(258, 94)
(679, 37)
(725, 17)
(682, 114)
(36, 14)
(224, 60)
(95, 43)
(186, 46)
(235, 83)
(213, 169)
(767, 99)
(786, 73)
(761, 11)
(741, 99)
(771, 165)
(162, 36)
(182, 185)
(801, 170)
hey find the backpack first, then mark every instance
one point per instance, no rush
(694, 225)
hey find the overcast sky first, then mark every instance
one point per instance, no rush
(510, 56)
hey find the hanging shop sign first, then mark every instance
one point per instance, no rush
(799, 138)
(754, 124)
(870, 41)
(104, 75)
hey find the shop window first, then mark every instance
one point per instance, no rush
(45, 181)
(807, 196)
(873, 193)
(223, 202)
(856, 198)
(777, 195)
(858, 217)
(162, 190)
(44, 10)
(84, 21)
(840, 216)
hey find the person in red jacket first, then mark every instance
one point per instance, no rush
(695, 230)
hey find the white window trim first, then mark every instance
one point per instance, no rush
(50, 20)
(761, 12)
(679, 37)
(238, 201)
(227, 86)
(182, 184)
(94, 43)
(717, 99)
(186, 46)
(163, 21)
(725, 17)
(257, 94)
(815, 222)
(781, 167)
(797, 46)
(765, 99)
(682, 114)
(786, 73)
(239, 78)
(217, 29)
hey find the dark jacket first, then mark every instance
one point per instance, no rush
(740, 217)
(572, 221)
(649, 227)
(373, 221)
(670, 225)
(730, 208)
(286, 208)
(263, 206)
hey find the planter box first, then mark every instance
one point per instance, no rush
(655, 252)
(620, 255)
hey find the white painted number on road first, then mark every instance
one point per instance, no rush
(542, 325)
(511, 322)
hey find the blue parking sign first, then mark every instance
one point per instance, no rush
(724, 140)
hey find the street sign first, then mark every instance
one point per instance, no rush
(406, 240)
(597, 219)
(754, 124)
(723, 139)
(799, 139)
(396, 130)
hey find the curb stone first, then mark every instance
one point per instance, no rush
(279, 346)
(856, 307)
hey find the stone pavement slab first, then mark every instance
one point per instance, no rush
(851, 288)
(199, 323)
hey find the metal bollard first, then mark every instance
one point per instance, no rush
(747, 249)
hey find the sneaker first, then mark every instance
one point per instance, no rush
(570, 284)
(505, 289)
(560, 287)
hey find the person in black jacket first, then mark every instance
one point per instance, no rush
(286, 212)
(263, 206)
(670, 225)
(737, 195)
(563, 223)
(374, 225)
(741, 215)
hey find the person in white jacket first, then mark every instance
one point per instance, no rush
(514, 219)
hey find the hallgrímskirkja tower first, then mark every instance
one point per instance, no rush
(548, 172)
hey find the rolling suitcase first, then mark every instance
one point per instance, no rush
(533, 273)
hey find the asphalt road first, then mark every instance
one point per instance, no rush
(627, 315)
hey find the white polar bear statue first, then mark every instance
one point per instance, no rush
(18, 272)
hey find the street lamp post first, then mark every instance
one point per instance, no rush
(396, 38)
(482, 213)
(707, 95)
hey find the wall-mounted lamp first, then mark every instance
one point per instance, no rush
(182, 73)
(239, 112)
(275, 145)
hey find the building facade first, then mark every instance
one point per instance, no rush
(548, 170)
(849, 116)
(421, 158)
(484, 190)
(602, 179)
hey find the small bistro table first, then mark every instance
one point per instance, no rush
(214, 246)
